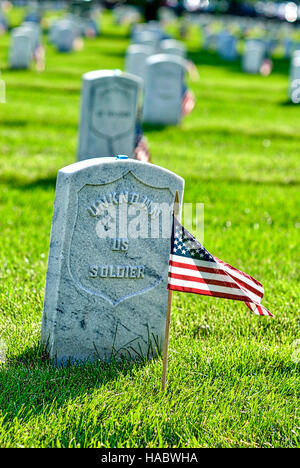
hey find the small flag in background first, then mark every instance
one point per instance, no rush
(193, 269)
(142, 151)
(188, 102)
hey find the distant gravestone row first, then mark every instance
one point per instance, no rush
(160, 62)
(258, 41)
(254, 55)
(163, 89)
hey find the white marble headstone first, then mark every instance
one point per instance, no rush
(294, 89)
(173, 47)
(106, 286)
(135, 59)
(163, 89)
(254, 55)
(227, 46)
(21, 49)
(64, 36)
(109, 105)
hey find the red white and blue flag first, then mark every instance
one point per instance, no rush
(193, 269)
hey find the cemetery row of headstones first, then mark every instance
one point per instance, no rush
(106, 288)
(257, 41)
(65, 34)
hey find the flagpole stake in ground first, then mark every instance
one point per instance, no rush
(166, 344)
(176, 212)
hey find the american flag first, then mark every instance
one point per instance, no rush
(142, 150)
(188, 102)
(193, 269)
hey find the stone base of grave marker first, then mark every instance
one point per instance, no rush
(106, 287)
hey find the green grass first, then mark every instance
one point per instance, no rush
(232, 381)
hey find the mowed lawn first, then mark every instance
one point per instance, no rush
(233, 377)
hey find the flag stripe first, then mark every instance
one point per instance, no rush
(213, 288)
(238, 272)
(209, 273)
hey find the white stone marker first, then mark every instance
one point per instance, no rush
(106, 288)
(109, 105)
(294, 89)
(163, 89)
(227, 46)
(135, 59)
(254, 55)
(34, 30)
(173, 47)
(21, 49)
(64, 36)
(149, 38)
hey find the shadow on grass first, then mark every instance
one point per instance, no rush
(43, 383)
(22, 183)
(147, 127)
(288, 103)
(220, 180)
(211, 58)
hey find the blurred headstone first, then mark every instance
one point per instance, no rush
(135, 59)
(254, 55)
(173, 47)
(227, 46)
(294, 89)
(109, 107)
(164, 89)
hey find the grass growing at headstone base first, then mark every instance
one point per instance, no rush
(233, 379)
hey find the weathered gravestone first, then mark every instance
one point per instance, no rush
(106, 287)
(21, 49)
(135, 59)
(173, 47)
(163, 89)
(227, 46)
(109, 106)
(254, 55)
(294, 89)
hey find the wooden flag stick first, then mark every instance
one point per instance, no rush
(166, 344)
(176, 212)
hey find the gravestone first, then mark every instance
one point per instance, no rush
(34, 30)
(254, 55)
(21, 49)
(135, 59)
(64, 36)
(227, 46)
(294, 89)
(3, 23)
(106, 287)
(163, 89)
(173, 47)
(147, 38)
(109, 106)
